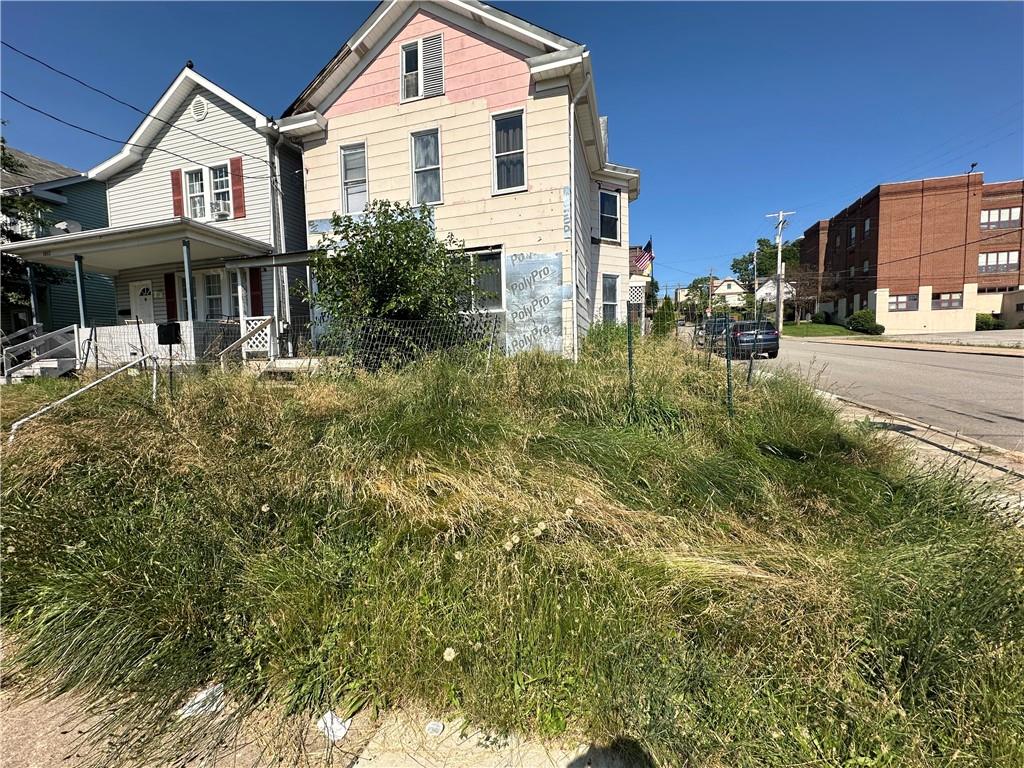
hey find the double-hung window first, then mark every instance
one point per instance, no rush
(426, 167)
(948, 301)
(609, 215)
(213, 292)
(422, 68)
(867, 228)
(903, 303)
(487, 278)
(353, 178)
(853, 234)
(509, 153)
(195, 186)
(609, 299)
(220, 185)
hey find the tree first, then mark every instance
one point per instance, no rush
(21, 213)
(652, 293)
(767, 258)
(664, 318)
(388, 263)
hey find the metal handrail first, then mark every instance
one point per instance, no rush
(7, 338)
(45, 355)
(236, 344)
(90, 385)
(24, 346)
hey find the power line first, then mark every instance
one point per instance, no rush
(122, 102)
(91, 132)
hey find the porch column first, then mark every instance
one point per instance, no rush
(240, 275)
(80, 286)
(288, 309)
(277, 308)
(33, 306)
(186, 253)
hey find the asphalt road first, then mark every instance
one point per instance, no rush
(980, 396)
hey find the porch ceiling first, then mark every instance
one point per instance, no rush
(113, 249)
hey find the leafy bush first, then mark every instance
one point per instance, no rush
(819, 317)
(983, 321)
(863, 321)
(524, 545)
(664, 318)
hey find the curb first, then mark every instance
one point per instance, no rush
(960, 349)
(1014, 456)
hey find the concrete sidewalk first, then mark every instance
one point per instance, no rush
(880, 342)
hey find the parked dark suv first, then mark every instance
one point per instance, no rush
(746, 338)
(711, 330)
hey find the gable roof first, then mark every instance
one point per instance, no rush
(530, 39)
(33, 170)
(158, 117)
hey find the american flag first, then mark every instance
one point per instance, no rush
(645, 257)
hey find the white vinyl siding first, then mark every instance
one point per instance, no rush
(142, 193)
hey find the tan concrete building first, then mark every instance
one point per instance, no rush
(926, 255)
(493, 122)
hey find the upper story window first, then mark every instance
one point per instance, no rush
(853, 234)
(195, 188)
(866, 267)
(867, 228)
(1000, 218)
(426, 167)
(353, 178)
(509, 153)
(422, 68)
(609, 215)
(209, 192)
(999, 261)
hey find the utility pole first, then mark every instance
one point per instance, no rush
(779, 226)
(755, 290)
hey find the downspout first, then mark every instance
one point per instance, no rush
(572, 217)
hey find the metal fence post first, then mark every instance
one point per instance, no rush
(728, 367)
(629, 353)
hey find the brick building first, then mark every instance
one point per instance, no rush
(925, 255)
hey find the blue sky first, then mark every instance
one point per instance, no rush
(729, 109)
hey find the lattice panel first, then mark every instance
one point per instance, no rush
(637, 294)
(261, 341)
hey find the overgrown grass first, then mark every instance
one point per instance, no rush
(775, 589)
(819, 329)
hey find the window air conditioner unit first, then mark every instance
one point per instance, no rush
(220, 210)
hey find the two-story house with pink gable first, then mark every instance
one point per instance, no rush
(494, 123)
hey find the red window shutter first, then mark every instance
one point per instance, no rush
(255, 291)
(176, 198)
(171, 295)
(237, 187)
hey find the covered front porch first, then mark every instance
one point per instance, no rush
(208, 280)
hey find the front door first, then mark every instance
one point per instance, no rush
(141, 292)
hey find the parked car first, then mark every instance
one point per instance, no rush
(746, 338)
(710, 331)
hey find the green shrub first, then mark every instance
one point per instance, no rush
(863, 321)
(819, 317)
(664, 320)
(983, 321)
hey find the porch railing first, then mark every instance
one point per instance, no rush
(258, 333)
(43, 347)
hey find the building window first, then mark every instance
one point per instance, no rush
(1000, 218)
(997, 289)
(196, 188)
(220, 184)
(867, 228)
(214, 293)
(999, 261)
(509, 153)
(426, 167)
(866, 267)
(609, 298)
(422, 68)
(903, 303)
(853, 270)
(609, 215)
(353, 178)
(1020, 307)
(837, 241)
(853, 234)
(487, 278)
(233, 287)
(948, 301)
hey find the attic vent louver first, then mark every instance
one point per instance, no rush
(433, 65)
(199, 108)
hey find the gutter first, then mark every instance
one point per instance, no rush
(572, 217)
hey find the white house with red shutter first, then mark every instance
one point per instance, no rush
(204, 179)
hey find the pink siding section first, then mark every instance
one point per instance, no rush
(474, 68)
